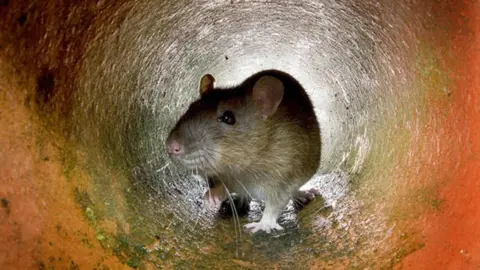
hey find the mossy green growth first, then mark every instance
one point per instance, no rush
(430, 197)
(100, 235)
(69, 161)
(434, 79)
(129, 253)
(403, 252)
(90, 214)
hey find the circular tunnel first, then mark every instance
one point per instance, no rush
(90, 91)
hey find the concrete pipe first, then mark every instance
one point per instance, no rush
(89, 91)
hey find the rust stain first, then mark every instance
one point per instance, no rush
(44, 226)
(452, 234)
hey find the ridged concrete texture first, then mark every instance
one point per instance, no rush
(89, 91)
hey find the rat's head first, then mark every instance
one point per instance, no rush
(225, 126)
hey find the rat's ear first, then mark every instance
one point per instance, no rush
(206, 83)
(267, 94)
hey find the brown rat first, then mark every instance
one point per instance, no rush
(260, 138)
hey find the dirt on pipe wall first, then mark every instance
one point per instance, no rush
(89, 91)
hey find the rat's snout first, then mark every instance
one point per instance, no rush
(175, 148)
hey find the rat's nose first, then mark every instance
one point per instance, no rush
(175, 148)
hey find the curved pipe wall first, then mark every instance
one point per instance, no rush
(90, 91)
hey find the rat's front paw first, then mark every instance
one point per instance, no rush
(263, 226)
(215, 195)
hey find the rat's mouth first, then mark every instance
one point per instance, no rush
(198, 160)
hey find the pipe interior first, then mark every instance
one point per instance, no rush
(370, 68)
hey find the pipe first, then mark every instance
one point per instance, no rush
(89, 92)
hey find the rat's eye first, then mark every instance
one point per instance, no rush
(227, 118)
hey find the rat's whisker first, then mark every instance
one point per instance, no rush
(236, 219)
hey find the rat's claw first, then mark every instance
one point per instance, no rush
(262, 226)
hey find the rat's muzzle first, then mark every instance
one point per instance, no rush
(175, 148)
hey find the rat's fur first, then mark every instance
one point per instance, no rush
(265, 158)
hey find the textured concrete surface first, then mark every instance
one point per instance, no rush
(88, 92)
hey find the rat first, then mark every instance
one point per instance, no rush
(261, 139)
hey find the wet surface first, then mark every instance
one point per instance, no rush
(90, 91)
